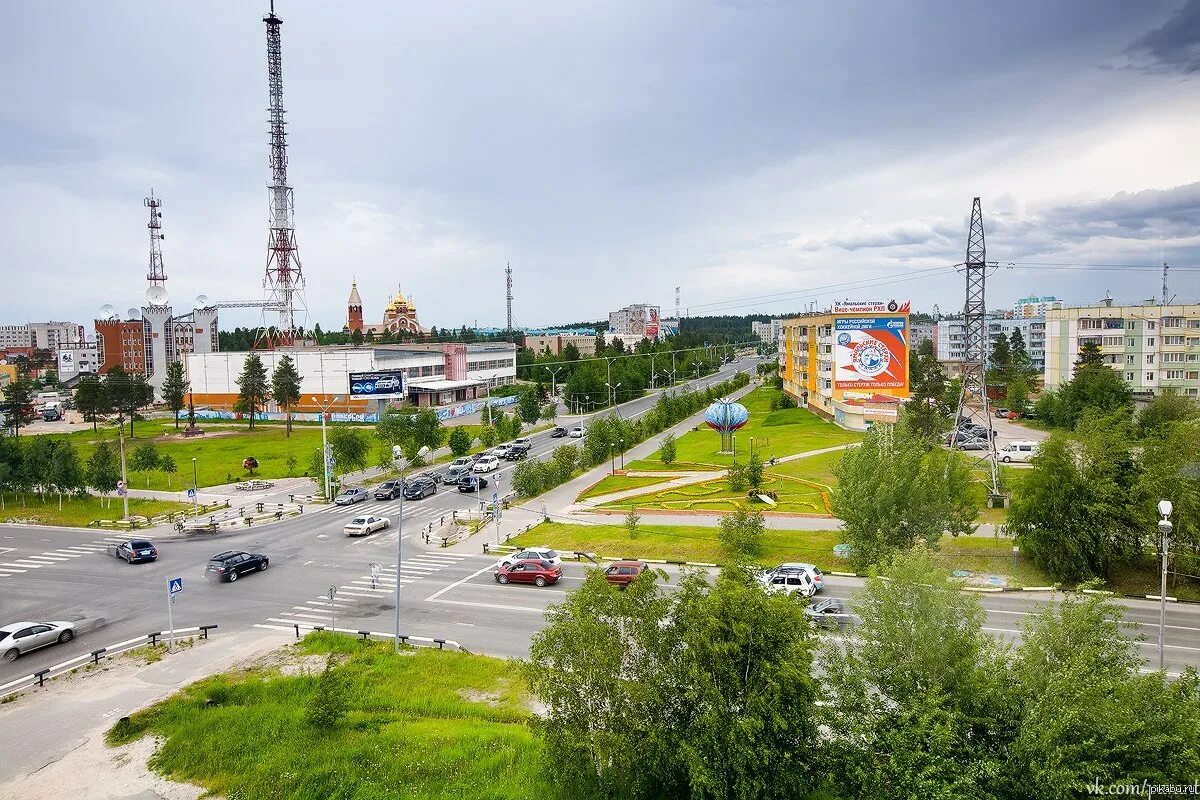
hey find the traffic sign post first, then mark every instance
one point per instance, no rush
(374, 575)
(174, 587)
(332, 616)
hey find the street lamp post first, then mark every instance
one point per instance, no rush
(553, 380)
(1164, 527)
(424, 451)
(621, 447)
(612, 393)
(324, 442)
(195, 487)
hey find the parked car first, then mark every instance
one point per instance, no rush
(361, 526)
(350, 496)
(389, 490)
(813, 572)
(976, 429)
(1017, 451)
(229, 565)
(20, 638)
(623, 573)
(830, 612)
(486, 464)
(419, 487)
(542, 553)
(1002, 413)
(539, 573)
(577, 432)
(255, 485)
(558, 432)
(429, 475)
(134, 551)
(971, 443)
(471, 483)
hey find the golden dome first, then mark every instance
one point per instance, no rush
(399, 303)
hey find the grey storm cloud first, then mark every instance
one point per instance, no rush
(1175, 45)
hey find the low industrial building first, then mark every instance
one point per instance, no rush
(848, 364)
(332, 378)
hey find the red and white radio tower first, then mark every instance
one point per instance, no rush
(284, 282)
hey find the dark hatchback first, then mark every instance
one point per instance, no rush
(389, 490)
(471, 483)
(134, 551)
(418, 488)
(229, 565)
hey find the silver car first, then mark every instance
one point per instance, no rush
(355, 494)
(20, 638)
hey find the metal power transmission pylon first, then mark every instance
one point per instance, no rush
(284, 281)
(974, 417)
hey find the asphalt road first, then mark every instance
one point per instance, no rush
(64, 574)
(58, 573)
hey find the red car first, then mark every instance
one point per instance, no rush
(623, 573)
(539, 573)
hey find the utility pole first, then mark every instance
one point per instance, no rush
(1165, 299)
(124, 477)
(973, 399)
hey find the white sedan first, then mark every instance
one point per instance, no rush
(361, 526)
(486, 464)
(542, 553)
(576, 433)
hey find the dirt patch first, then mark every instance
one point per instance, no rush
(98, 772)
(479, 696)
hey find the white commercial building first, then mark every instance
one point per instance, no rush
(434, 374)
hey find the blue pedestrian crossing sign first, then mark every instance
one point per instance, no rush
(175, 585)
(191, 494)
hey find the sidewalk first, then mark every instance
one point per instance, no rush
(54, 737)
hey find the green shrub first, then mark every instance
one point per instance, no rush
(330, 703)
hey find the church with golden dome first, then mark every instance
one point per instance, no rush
(399, 316)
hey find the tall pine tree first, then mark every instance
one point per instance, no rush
(252, 387)
(175, 388)
(285, 387)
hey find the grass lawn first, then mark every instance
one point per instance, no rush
(77, 512)
(715, 495)
(775, 433)
(425, 724)
(678, 542)
(983, 556)
(619, 483)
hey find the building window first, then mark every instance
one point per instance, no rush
(1150, 358)
(1150, 325)
(1174, 374)
(1129, 377)
(1173, 340)
(1172, 322)
(1150, 341)
(1149, 377)
(1129, 359)
(1130, 342)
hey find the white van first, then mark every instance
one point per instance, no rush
(1017, 451)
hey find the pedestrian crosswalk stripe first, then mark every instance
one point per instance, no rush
(48, 559)
(304, 616)
(19, 563)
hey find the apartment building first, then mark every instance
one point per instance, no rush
(848, 365)
(950, 339)
(1154, 347)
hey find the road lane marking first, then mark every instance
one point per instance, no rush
(433, 597)
(493, 605)
(23, 563)
(48, 559)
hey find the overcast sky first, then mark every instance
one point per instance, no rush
(747, 151)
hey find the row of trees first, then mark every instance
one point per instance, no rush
(712, 692)
(611, 434)
(51, 465)
(255, 390)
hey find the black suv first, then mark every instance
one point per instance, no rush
(419, 487)
(558, 433)
(389, 490)
(516, 452)
(229, 565)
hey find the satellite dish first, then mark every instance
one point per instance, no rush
(157, 296)
(107, 311)
(134, 313)
(202, 301)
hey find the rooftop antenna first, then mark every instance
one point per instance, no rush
(508, 286)
(156, 276)
(283, 284)
(676, 302)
